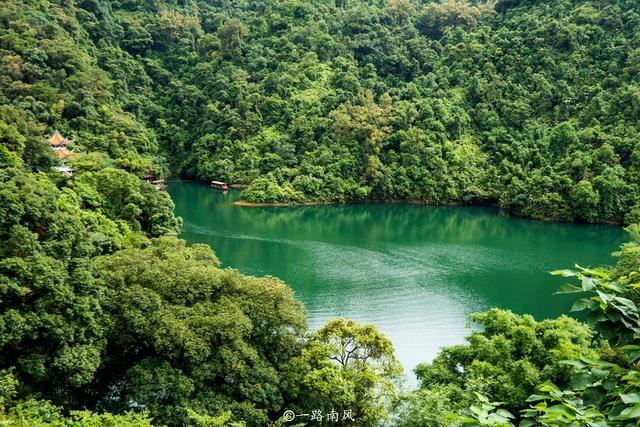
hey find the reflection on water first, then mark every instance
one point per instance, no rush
(416, 271)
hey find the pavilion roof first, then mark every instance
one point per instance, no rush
(57, 140)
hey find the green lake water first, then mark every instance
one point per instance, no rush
(415, 271)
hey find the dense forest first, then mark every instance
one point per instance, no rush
(108, 318)
(529, 105)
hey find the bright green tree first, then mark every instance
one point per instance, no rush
(351, 367)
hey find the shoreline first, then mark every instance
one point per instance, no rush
(244, 203)
(354, 202)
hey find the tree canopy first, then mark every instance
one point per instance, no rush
(108, 318)
(530, 106)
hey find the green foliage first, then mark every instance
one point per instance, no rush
(32, 413)
(49, 313)
(431, 406)
(93, 318)
(8, 388)
(448, 102)
(507, 359)
(266, 190)
(585, 201)
(122, 195)
(97, 313)
(612, 315)
(531, 106)
(350, 366)
(186, 336)
(604, 391)
(561, 408)
(627, 269)
(52, 77)
(485, 413)
(593, 382)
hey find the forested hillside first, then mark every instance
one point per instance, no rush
(107, 318)
(530, 105)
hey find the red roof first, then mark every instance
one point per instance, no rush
(64, 154)
(57, 140)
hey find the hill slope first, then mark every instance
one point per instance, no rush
(532, 106)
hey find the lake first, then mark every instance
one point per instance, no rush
(415, 271)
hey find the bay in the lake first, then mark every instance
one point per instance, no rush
(416, 271)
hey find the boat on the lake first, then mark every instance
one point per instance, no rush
(219, 185)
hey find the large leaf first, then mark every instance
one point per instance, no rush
(581, 304)
(630, 398)
(594, 396)
(630, 413)
(568, 288)
(580, 381)
(588, 283)
(564, 273)
(560, 409)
